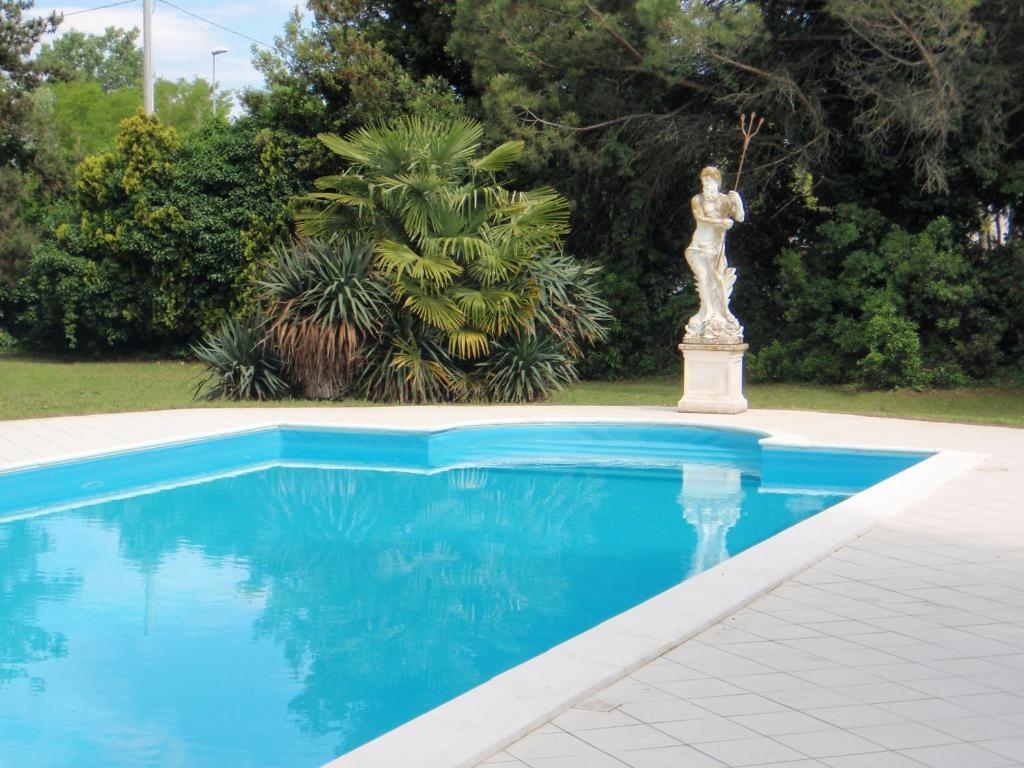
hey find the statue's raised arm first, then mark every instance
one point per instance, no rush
(714, 213)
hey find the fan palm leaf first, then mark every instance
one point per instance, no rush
(437, 310)
(399, 260)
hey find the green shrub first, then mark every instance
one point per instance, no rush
(768, 364)
(526, 368)
(71, 302)
(894, 351)
(151, 252)
(868, 302)
(240, 365)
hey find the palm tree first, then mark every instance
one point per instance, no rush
(455, 243)
(421, 276)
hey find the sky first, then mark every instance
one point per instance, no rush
(181, 43)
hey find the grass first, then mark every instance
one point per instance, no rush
(32, 388)
(973, 405)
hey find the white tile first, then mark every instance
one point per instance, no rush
(856, 715)
(668, 757)
(584, 719)
(1009, 680)
(709, 686)
(925, 652)
(926, 710)
(627, 737)
(948, 686)
(902, 672)
(723, 635)
(881, 640)
(830, 743)
(706, 729)
(596, 705)
(774, 723)
(796, 661)
(1012, 747)
(500, 757)
(904, 735)
(810, 698)
(741, 704)
(576, 761)
(968, 667)
(663, 670)
(664, 711)
(744, 752)
(627, 691)
(991, 703)
(549, 745)
(977, 728)
(844, 628)
(772, 681)
(957, 756)
(715, 662)
(787, 631)
(836, 676)
(878, 693)
(872, 760)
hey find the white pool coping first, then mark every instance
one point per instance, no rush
(474, 725)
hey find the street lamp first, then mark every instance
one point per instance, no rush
(214, 54)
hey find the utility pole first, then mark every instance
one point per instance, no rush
(147, 56)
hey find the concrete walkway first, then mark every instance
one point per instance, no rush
(904, 648)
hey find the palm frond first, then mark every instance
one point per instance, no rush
(468, 343)
(499, 158)
(399, 260)
(439, 311)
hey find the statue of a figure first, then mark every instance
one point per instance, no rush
(715, 214)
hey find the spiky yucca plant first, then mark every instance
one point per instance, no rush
(240, 366)
(528, 367)
(325, 302)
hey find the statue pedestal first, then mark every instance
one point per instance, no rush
(713, 378)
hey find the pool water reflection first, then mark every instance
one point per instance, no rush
(289, 614)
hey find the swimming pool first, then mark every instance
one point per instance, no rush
(282, 596)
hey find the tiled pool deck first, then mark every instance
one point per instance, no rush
(903, 648)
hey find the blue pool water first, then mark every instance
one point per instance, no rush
(281, 597)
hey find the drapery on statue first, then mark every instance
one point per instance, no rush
(715, 214)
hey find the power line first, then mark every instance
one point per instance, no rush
(211, 23)
(99, 8)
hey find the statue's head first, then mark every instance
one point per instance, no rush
(711, 179)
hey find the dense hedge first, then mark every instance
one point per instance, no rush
(865, 300)
(160, 241)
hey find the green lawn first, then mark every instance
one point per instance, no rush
(31, 388)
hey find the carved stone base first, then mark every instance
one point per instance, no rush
(713, 378)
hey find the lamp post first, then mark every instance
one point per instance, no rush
(147, 56)
(214, 54)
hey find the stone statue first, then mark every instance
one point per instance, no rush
(715, 214)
